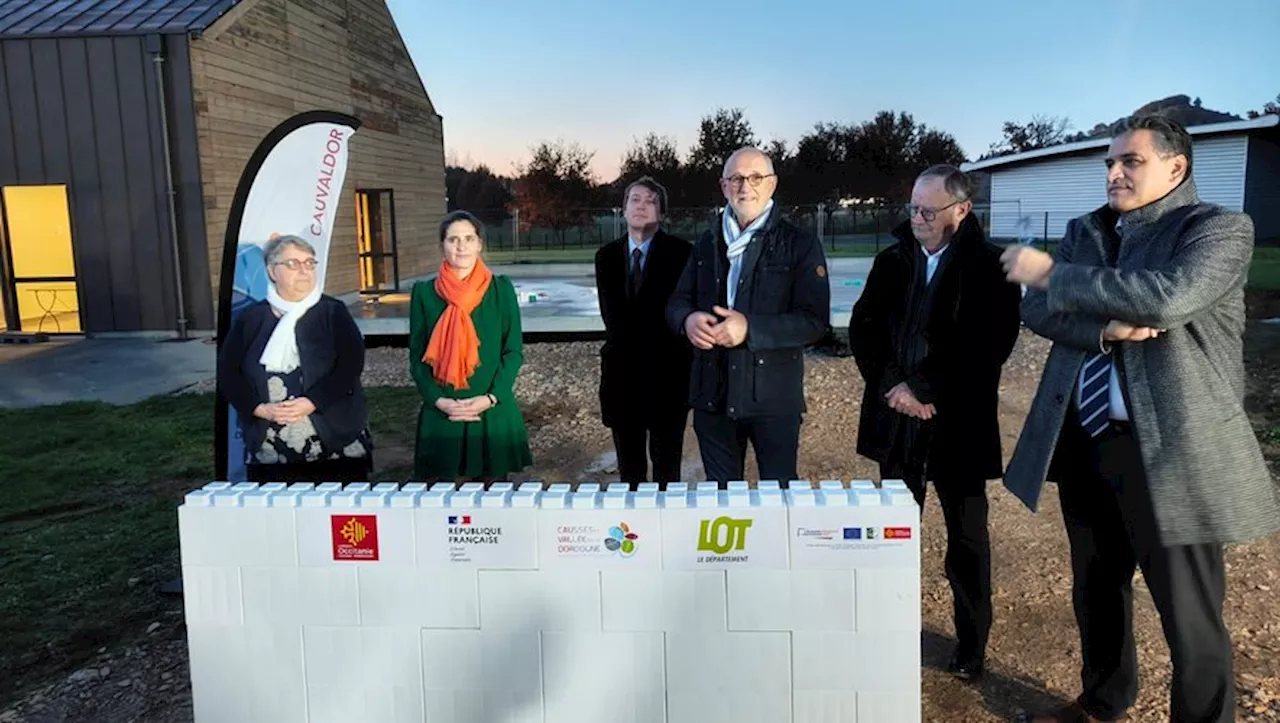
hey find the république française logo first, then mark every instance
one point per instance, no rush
(722, 535)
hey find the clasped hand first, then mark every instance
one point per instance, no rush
(726, 328)
(902, 400)
(464, 410)
(286, 412)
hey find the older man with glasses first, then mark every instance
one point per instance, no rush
(930, 335)
(753, 294)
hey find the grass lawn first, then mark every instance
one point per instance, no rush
(88, 503)
(1264, 273)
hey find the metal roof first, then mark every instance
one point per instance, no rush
(1243, 126)
(66, 18)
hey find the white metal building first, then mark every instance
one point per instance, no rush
(1035, 194)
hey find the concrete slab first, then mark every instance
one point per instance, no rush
(562, 298)
(116, 371)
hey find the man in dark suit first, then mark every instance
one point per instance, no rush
(930, 334)
(1140, 419)
(644, 366)
(752, 296)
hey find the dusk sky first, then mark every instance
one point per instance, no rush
(506, 74)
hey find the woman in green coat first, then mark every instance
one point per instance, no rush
(465, 350)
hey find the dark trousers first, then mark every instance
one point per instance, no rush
(663, 435)
(723, 443)
(968, 559)
(1112, 530)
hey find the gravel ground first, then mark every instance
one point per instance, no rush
(1034, 652)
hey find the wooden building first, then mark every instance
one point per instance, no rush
(125, 126)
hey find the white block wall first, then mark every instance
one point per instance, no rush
(549, 605)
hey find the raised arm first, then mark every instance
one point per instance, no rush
(1080, 330)
(1211, 260)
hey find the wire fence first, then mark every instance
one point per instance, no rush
(845, 231)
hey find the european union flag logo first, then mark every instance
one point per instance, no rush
(853, 533)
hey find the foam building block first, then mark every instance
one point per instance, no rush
(550, 603)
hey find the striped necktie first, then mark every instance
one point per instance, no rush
(1095, 393)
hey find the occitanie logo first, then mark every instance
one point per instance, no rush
(354, 532)
(355, 537)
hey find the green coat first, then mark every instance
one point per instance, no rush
(499, 443)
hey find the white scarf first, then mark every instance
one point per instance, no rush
(737, 241)
(281, 352)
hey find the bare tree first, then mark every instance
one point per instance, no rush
(552, 188)
(1041, 132)
(1271, 108)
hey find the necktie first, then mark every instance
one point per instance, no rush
(1095, 393)
(637, 272)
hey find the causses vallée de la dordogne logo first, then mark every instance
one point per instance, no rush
(621, 540)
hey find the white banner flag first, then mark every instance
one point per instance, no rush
(290, 186)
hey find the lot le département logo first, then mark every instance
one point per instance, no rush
(620, 540)
(723, 535)
(355, 537)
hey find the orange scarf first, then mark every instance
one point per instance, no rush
(454, 350)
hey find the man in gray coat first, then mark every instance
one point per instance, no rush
(1139, 418)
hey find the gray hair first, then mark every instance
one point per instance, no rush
(746, 150)
(274, 248)
(956, 181)
(1171, 137)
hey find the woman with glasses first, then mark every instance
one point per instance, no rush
(465, 350)
(290, 366)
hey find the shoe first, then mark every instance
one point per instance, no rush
(1073, 713)
(965, 668)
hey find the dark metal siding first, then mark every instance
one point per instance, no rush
(84, 112)
(70, 18)
(1262, 185)
(91, 213)
(184, 150)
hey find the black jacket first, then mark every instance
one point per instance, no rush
(331, 352)
(783, 292)
(954, 363)
(644, 366)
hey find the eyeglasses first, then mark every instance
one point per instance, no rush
(754, 179)
(295, 264)
(928, 214)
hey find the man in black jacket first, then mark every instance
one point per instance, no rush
(644, 366)
(753, 294)
(930, 334)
